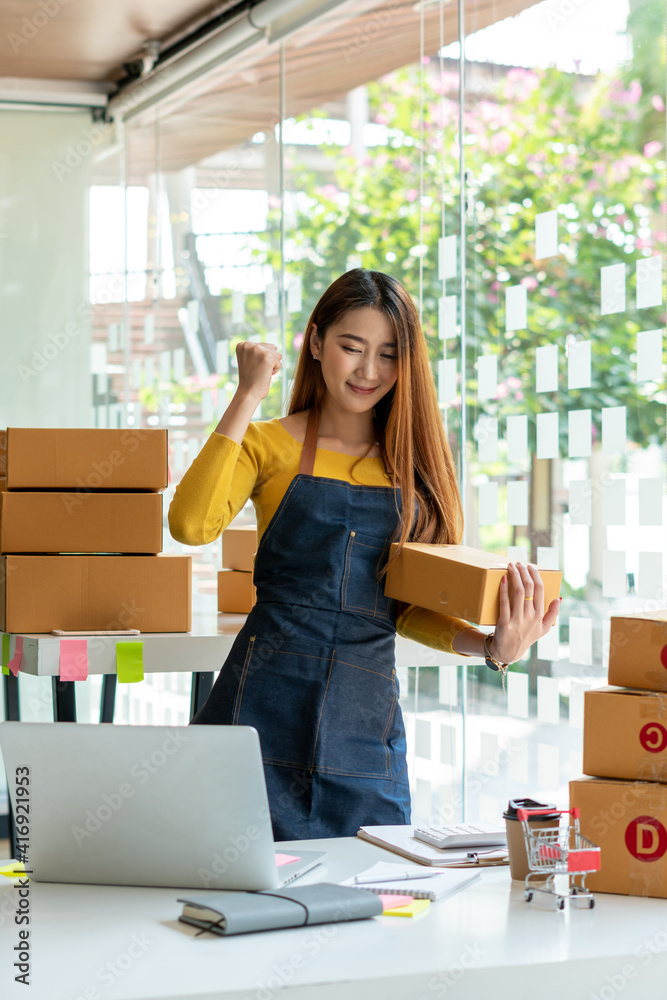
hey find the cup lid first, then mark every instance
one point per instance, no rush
(515, 804)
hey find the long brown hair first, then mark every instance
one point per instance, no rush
(412, 439)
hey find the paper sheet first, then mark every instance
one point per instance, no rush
(546, 368)
(546, 430)
(579, 364)
(447, 253)
(517, 695)
(447, 309)
(649, 282)
(581, 641)
(576, 706)
(650, 502)
(614, 581)
(547, 557)
(612, 289)
(130, 662)
(272, 299)
(487, 509)
(546, 234)
(149, 329)
(649, 356)
(73, 659)
(613, 430)
(516, 307)
(517, 553)
(613, 502)
(294, 294)
(548, 646)
(447, 387)
(651, 584)
(487, 376)
(517, 438)
(548, 700)
(580, 501)
(579, 433)
(517, 502)
(486, 433)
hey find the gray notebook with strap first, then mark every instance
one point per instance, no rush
(243, 912)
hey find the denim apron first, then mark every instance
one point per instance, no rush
(312, 668)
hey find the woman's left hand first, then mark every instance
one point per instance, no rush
(522, 620)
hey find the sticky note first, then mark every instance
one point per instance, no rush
(15, 661)
(517, 553)
(447, 246)
(423, 738)
(285, 859)
(516, 307)
(13, 871)
(179, 364)
(579, 433)
(447, 388)
(612, 289)
(548, 766)
(98, 359)
(294, 294)
(576, 703)
(548, 700)
(650, 584)
(448, 744)
(650, 502)
(546, 368)
(614, 581)
(487, 376)
(613, 502)
(447, 316)
(547, 557)
(149, 370)
(207, 410)
(416, 906)
(222, 357)
(130, 662)
(649, 356)
(546, 429)
(517, 438)
(649, 282)
(613, 430)
(165, 366)
(390, 902)
(517, 502)
(448, 686)
(517, 694)
(73, 660)
(5, 654)
(149, 328)
(548, 645)
(486, 433)
(136, 373)
(581, 641)
(579, 364)
(546, 234)
(238, 307)
(580, 501)
(272, 299)
(517, 760)
(487, 510)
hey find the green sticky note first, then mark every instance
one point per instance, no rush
(15, 870)
(130, 662)
(5, 654)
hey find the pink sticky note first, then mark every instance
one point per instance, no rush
(15, 661)
(286, 859)
(391, 902)
(73, 659)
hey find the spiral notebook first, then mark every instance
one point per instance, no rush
(412, 880)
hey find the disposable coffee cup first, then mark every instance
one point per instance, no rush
(516, 841)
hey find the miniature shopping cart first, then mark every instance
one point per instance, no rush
(558, 849)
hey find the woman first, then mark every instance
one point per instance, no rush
(360, 460)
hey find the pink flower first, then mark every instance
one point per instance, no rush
(500, 142)
(297, 340)
(651, 148)
(634, 91)
(551, 292)
(661, 237)
(513, 382)
(518, 396)
(530, 282)
(658, 102)
(381, 120)
(411, 194)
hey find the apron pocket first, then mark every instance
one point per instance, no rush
(361, 590)
(280, 692)
(356, 724)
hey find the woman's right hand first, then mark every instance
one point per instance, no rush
(257, 364)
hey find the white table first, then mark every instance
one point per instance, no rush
(126, 944)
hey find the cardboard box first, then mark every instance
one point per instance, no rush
(238, 547)
(638, 650)
(236, 592)
(455, 580)
(625, 734)
(83, 460)
(40, 593)
(628, 821)
(74, 522)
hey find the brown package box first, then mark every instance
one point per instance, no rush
(83, 460)
(638, 650)
(236, 592)
(625, 734)
(238, 547)
(40, 593)
(628, 821)
(454, 580)
(76, 522)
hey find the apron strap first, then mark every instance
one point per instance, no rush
(307, 463)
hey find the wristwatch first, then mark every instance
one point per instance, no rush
(491, 661)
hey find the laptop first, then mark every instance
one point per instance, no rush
(180, 806)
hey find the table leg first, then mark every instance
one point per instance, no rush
(64, 701)
(202, 682)
(108, 702)
(12, 708)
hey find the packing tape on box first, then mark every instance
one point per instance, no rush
(130, 662)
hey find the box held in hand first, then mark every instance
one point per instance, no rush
(40, 593)
(638, 650)
(80, 522)
(239, 545)
(48, 458)
(625, 734)
(236, 592)
(628, 821)
(455, 580)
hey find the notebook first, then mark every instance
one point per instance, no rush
(411, 880)
(146, 805)
(401, 840)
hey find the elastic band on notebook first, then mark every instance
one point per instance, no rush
(277, 895)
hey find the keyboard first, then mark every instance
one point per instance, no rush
(481, 834)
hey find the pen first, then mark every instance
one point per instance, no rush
(400, 877)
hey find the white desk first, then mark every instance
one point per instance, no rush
(126, 944)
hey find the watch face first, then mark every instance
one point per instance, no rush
(491, 664)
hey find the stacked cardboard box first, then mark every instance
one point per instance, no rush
(80, 529)
(236, 591)
(624, 806)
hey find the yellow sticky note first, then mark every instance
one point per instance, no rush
(15, 870)
(130, 662)
(415, 907)
(5, 654)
